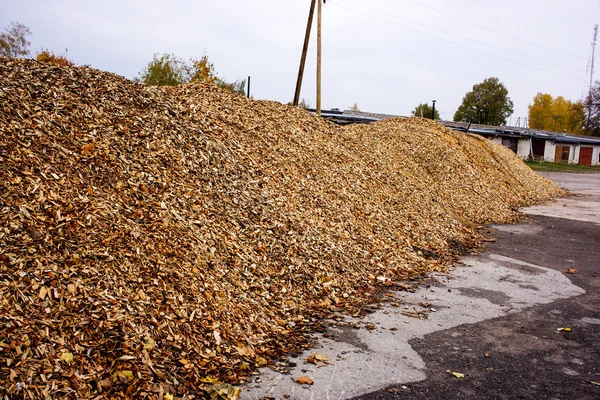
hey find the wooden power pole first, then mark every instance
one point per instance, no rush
(311, 14)
(319, 58)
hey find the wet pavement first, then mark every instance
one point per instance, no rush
(498, 320)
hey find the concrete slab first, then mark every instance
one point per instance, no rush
(379, 355)
(364, 360)
(576, 182)
(584, 206)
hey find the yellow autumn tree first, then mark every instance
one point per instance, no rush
(201, 70)
(556, 114)
(576, 119)
(49, 57)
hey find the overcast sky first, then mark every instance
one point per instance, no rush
(373, 53)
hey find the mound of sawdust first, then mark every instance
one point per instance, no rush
(153, 240)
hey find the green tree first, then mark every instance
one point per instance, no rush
(556, 114)
(592, 105)
(488, 103)
(424, 110)
(164, 70)
(354, 108)
(13, 42)
(169, 70)
(238, 87)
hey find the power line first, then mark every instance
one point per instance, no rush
(495, 31)
(463, 37)
(587, 70)
(454, 43)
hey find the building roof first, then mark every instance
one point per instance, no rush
(341, 118)
(361, 117)
(508, 131)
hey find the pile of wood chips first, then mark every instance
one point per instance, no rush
(154, 240)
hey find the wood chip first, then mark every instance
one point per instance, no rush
(171, 234)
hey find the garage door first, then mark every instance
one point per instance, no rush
(585, 156)
(562, 154)
(511, 143)
(538, 147)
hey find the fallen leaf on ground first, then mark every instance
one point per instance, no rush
(304, 380)
(456, 374)
(260, 361)
(224, 391)
(571, 271)
(149, 344)
(124, 376)
(209, 379)
(315, 358)
(564, 329)
(67, 357)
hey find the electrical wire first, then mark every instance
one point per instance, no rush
(453, 43)
(495, 31)
(464, 38)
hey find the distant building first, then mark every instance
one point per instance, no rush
(526, 143)
(539, 145)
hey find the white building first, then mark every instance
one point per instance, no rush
(540, 145)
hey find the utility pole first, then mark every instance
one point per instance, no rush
(433, 110)
(311, 14)
(319, 12)
(248, 87)
(594, 41)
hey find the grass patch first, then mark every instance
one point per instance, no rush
(548, 166)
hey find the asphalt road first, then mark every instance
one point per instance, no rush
(499, 320)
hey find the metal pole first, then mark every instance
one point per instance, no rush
(311, 14)
(592, 75)
(248, 87)
(319, 12)
(433, 110)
